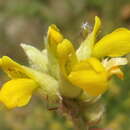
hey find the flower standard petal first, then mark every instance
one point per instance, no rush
(17, 92)
(114, 44)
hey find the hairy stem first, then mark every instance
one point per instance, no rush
(72, 108)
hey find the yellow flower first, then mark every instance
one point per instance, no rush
(16, 92)
(114, 44)
(39, 77)
(91, 76)
(61, 71)
(24, 81)
(87, 68)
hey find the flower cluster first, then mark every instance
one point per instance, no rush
(61, 71)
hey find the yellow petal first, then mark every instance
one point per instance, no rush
(67, 59)
(17, 93)
(97, 25)
(114, 44)
(86, 46)
(90, 75)
(93, 83)
(89, 64)
(54, 35)
(82, 65)
(96, 64)
(66, 55)
(13, 69)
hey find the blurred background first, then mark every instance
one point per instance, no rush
(26, 21)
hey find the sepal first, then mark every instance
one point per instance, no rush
(37, 59)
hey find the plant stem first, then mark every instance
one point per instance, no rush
(72, 108)
(79, 124)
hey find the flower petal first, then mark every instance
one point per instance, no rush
(54, 37)
(13, 69)
(17, 92)
(86, 46)
(114, 44)
(66, 55)
(93, 83)
(95, 64)
(89, 64)
(67, 59)
(92, 77)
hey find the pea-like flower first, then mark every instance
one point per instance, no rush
(61, 71)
